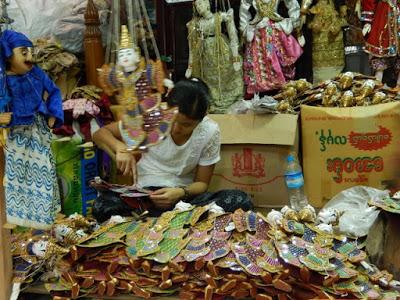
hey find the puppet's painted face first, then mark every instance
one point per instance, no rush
(21, 60)
(202, 6)
(128, 58)
(39, 248)
(61, 231)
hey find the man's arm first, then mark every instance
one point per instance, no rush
(167, 197)
(201, 180)
(108, 138)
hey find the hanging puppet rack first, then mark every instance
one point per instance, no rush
(223, 5)
(139, 25)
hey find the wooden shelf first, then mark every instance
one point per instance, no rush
(5, 252)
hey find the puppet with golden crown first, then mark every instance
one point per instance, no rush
(138, 85)
(124, 77)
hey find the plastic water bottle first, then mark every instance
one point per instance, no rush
(295, 183)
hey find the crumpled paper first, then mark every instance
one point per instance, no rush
(258, 105)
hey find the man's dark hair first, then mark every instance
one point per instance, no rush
(191, 96)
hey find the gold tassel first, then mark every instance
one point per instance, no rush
(54, 249)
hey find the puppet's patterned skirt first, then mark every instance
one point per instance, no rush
(30, 181)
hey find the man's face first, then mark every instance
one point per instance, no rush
(128, 58)
(21, 60)
(183, 126)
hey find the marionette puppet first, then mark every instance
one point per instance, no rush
(327, 37)
(271, 49)
(213, 56)
(137, 84)
(381, 32)
(34, 103)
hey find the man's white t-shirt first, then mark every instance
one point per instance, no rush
(169, 165)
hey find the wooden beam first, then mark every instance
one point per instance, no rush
(94, 52)
(5, 249)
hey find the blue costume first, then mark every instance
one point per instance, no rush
(30, 183)
(26, 97)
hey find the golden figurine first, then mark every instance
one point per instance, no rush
(347, 99)
(346, 80)
(365, 91)
(379, 97)
(331, 95)
(327, 45)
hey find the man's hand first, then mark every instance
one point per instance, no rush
(188, 72)
(5, 118)
(51, 122)
(237, 66)
(126, 163)
(249, 34)
(366, 29)
(357, 9)
(165, 198)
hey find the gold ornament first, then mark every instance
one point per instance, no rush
(125, 41)
(289, 93)
(378, 98)
(283, 106)
(54, 249)
(291, 214)
(307, 215)
(331, 89)
(330, 95)
(346, 80)
(347, 99)
(267, 9)
(72, 238)
(302, 85)
(366, 90)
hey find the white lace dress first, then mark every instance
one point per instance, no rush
(170, 165)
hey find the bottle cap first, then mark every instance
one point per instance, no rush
(290, 158)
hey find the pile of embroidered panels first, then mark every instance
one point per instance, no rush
(196, 254)
(346, 90)
(388, 204)
(54, 60)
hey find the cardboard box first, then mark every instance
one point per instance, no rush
(75, 168)
(253, 156)
(345, 147)
(89, 170)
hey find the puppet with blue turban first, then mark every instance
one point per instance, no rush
(34, 103)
